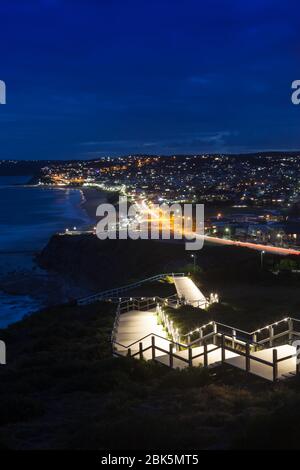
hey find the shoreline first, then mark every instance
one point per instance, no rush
(92, 198)
(17, 283)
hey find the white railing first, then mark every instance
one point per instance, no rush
(224, 337)
(115, 293)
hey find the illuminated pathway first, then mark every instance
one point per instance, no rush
(189, 292)
(137, 328)
(134, 326)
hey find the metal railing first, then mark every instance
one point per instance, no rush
(116, 293)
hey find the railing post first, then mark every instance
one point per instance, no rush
(141, 350)
(200, 336)
(129, 352)
(233, 338)
(171, 355)
(271, 335)
(223, 349)
(205, 356)
(247, 358)
(254, 340)
(298, 359)
(190, 352)
(275, 365)
(153, 347)
(215, 333)
(291, 328)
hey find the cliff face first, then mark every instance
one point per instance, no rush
(104, 264)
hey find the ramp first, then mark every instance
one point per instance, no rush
(134, 327)
(188, 291)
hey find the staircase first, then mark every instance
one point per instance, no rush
(139, 334)
(137, 327)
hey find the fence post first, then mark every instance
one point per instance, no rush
(223, 349)
(233, 338)
(247, 357)
(205, 355)
(153, 347)
(171, 355)
(298, 359)
(275, 365)
(129, 352)
(215, 333)
(254, 340)
(291, 327)
(200, 336)
(190, 352)
(141, 350)
(271, 335)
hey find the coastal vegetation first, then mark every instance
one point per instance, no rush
(62, 389)
(250, 295)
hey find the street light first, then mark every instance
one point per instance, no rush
(262, 259)
(194, 258)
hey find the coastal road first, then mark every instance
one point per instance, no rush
(253, 246)
(144, 208)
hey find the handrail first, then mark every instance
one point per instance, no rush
(111, 292)
(147, 336)
(251, 334)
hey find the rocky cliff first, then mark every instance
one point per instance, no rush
(104, 264)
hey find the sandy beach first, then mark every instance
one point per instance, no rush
(92, 198)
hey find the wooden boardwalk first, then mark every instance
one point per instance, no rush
(138, 326)
(189, 292)
(286, 368)
(139, 335)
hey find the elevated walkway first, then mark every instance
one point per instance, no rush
(189, 293)
(119, 291)
(139, 326)
(139, 333)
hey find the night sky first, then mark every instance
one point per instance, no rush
(109, 77)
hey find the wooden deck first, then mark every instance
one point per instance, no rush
(187, 290)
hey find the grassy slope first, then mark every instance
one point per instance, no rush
(250, 297)
(62, 389)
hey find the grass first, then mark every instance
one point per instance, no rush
(250, 297)
(61, 389)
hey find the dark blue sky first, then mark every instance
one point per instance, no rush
(90, 78)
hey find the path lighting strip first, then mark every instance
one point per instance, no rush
(197, 330)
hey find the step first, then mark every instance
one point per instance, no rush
(285, 368)
(213, 358)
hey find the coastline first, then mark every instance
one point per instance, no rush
(92, 197)
(24, 287)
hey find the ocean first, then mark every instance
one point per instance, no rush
(28, 217)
